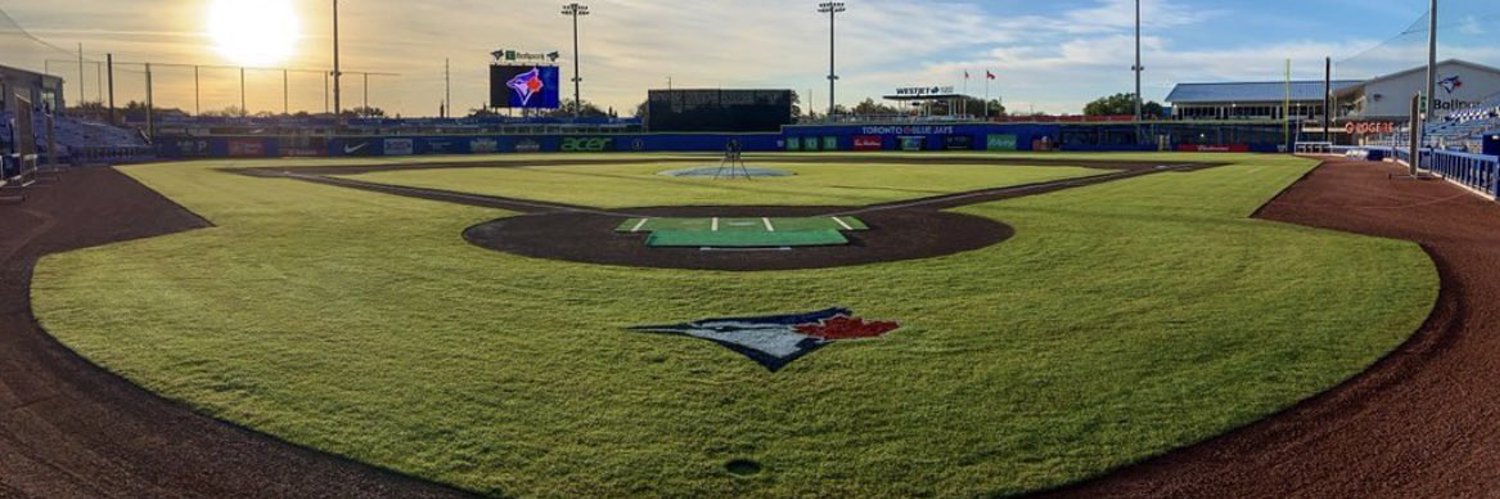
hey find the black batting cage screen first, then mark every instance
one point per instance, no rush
(718, 110)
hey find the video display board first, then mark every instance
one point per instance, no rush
(525, 87)
(718, 110)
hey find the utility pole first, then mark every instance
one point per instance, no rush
(575, 10)
(197, 93)
(150, 105)
(109, 60)
(832, 9)
(80, 75)
(286, 92)
(447, 88)
(244, 111)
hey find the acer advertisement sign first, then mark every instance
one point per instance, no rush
(868, 143)
(525, 87)
(1214, 148)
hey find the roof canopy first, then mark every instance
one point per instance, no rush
(1273, 91)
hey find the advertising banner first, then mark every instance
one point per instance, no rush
(1214, 148)
(399, 147)
(445, 145)
(868, 143)
(484, 145)
(191, 148)
(527, 145)
(912, 142)
(587, 144)
(1001, 142)
(355, 147)
(958, 143)
(293, 147)
(247, 148)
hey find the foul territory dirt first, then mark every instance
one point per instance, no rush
(70, 429)
(1424, 422)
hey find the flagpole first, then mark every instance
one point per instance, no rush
(986, 95)
(964, 107)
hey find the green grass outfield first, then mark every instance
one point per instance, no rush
(1123, 320)
(850, 183)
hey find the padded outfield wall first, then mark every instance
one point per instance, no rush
(1198, 137)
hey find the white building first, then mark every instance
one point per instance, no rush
(1384, 99)
(1461, 85)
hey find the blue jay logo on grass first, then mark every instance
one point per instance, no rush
(776, 340)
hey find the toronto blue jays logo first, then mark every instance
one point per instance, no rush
(1451, 83)
(777, 340)
(527, 84)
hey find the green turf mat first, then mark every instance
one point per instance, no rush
(745, 239)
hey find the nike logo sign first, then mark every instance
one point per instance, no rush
(355, 149)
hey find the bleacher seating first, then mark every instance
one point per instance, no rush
(86, 142)
(1463, 130)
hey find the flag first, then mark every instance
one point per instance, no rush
(966, 74)
(989, 75)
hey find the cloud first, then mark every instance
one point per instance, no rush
(1056, 55)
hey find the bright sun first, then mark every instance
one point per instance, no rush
(254, 32)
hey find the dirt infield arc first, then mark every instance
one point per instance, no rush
(903, 230)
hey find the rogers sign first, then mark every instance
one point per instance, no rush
(1370, 128)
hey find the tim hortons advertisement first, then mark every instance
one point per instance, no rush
(868, 143)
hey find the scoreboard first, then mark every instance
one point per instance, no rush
(525, 87)
(718, 110)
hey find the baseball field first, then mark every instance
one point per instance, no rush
(1003, 324)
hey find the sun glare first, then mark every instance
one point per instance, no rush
(254, 32)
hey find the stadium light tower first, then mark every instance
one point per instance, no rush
(338, 109)
(1137, 67)
(832, 9)
(575, 10)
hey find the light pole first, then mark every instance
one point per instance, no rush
(832, 9)
(338, 108)
(575, 10)
(1137, 68)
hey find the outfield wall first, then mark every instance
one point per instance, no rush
(1183, 136)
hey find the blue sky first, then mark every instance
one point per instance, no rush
(1051, 55)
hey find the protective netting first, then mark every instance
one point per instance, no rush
(1467, 30)
(208, 87)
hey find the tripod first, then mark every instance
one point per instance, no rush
(733, 164)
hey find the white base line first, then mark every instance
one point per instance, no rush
(769, 227)
(639, 225)
(842, 224)
(716, 224)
